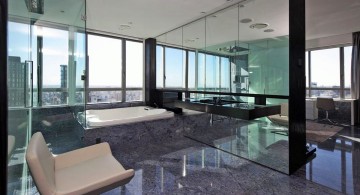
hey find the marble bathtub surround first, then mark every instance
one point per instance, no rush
(144, 132)
(252, 140)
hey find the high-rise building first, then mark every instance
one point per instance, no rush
(16, 81)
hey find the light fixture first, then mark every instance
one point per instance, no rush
(124, 27)
(35, 6)
(232, 49)
(189, 40)
(269, 30)
(259, 26)
(246, 20)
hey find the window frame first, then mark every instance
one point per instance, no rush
(342, 87)
(186, 76)
(123, 89)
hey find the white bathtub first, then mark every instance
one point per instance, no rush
(117, 116)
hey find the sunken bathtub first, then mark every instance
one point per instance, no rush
(118, 116)
(134, 125)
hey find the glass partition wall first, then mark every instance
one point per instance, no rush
(235, 50)
(46, 61)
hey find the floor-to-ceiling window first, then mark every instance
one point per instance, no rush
(327, 74)
(208, 72)
(115, 69)
(174, 65)
(54, 65)
(159, 66)
(191, 70)
(105, 69)
(347, 71)
(134, 70)
(224, 74)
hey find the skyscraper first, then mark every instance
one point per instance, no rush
(16, 81)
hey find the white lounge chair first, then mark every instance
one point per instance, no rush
(90, 170)
(282, 118)
(11, 145)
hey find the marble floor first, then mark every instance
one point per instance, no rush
(257, 140)
(184, 166)
(337, 162)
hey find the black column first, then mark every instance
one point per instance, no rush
(3, 97)
(297, 132)
(150, 71)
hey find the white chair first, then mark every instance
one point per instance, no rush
(282, 118)
(11, 145)
(90, 170)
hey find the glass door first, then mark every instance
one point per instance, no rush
(20, 89)
(46, 90)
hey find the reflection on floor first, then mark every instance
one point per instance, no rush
(257, 140)
(184, 166)
(337, 162)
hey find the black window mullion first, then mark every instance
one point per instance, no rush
(164, 67)
(342, 66)
(123, 70)
(187, 70)
(309, 72)
(40, 68)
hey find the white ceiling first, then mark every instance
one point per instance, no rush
(147, 18)
(225, 27)
(326, 18)
(67, 12)
(150, 18)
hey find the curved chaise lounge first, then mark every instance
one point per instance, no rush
(90, 170)
(282, 118)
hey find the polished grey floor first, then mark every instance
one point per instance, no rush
(184, 166)
(257, 140)
(337, 162)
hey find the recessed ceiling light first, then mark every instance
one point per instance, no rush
(246, 20)
(189, 40)
(269, 30)
(124, 27)
(62, 11)
(259, 26)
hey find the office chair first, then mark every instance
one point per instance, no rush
(326, 104)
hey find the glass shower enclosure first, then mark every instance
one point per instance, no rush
(46, 90)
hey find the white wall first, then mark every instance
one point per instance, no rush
(331, 41)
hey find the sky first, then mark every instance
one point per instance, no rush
(104, 56)
(325, 67)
